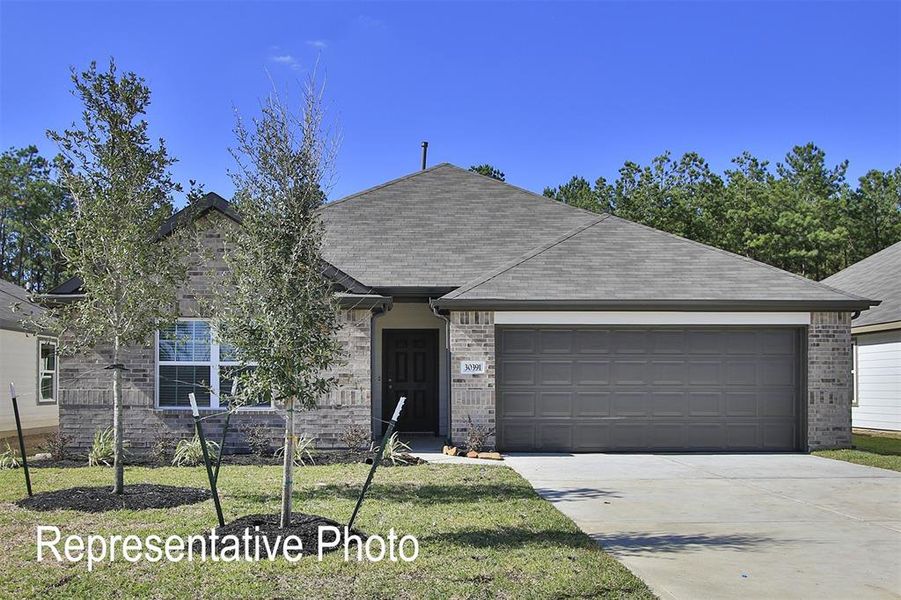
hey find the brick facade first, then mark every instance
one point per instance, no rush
(85, 390)
(472, 396)
(829, 381)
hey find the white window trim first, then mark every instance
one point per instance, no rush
(40, 371)
(214, 373)
(624, 317)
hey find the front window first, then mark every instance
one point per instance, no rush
(47, 372)
(191, 360)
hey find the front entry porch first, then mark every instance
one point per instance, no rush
(409, 359)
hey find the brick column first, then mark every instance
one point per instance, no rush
(829, 381)
(472, 396)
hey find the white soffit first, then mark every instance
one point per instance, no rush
(649, 318)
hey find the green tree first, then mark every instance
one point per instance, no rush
(579, 193)
(29, 201)
(488, 171)
(121, 187)
(279, 312)
(874, 211)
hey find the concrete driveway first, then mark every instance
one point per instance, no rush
(734, 526)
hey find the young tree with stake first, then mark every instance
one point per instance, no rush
(276, 308)
(121, 189)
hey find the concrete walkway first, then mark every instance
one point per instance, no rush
(734, 526)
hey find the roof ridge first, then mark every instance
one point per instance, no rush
(744, 258)
(530, 192)
(385, 184)
(532, 253)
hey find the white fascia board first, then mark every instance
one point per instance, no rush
(649, 318)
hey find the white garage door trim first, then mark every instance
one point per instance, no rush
(624, 317)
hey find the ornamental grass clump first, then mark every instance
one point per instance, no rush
(103, 448)
(189, 453)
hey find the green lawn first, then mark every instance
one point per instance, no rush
(873, 450)
(483, 533)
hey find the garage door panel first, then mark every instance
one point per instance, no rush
(552, 341)
(592, 372)
(742, 436)
(629, 404)
(591, 404)
(704, 372)
(591, 437)
(655, 388)
(518, 341)
(742, 372)
(668, 404)
(518, 436)
(630, 341)
(630, 372)
(669, 372)
(704, 342)
(517, 372)
(777, 372)
(741, 403)
(555, 436)
(591, 341)
(777, 402)
(555, 404)
(668, 342)
(555, 372)
(705, 404)
(778, 435)
(518, 403)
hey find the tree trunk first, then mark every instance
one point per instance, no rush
(288, 478)
(118, 464)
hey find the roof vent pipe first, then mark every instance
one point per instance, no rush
(425, 151)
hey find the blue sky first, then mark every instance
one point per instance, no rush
(542, 90)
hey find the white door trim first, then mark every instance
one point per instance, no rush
(624, 317)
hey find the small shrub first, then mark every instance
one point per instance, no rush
(56, 444)
(356, 437)
(304, 448)
(257, 437)
(477, 436)
(395, 451)
(9, 459)
(102, 448)
(163, 448)
(189, 453)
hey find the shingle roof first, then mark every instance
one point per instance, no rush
(613, 262)
(15, 306)
(877, 276)
(439, 228)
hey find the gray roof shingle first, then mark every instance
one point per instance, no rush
(613, 261)
(877, 276)
(439, 227)
(15, 306)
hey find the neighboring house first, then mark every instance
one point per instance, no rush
(876, 336)
(29, 361)
(559, 328)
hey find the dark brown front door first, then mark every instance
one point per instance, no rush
(410, 368)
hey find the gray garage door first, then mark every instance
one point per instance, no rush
(597, 389)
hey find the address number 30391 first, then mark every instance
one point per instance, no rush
(472, 367)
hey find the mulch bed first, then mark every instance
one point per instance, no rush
(138, 496)
(304, 526)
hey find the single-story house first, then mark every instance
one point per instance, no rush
(554, 327)
(28, 359)
(876, 339)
